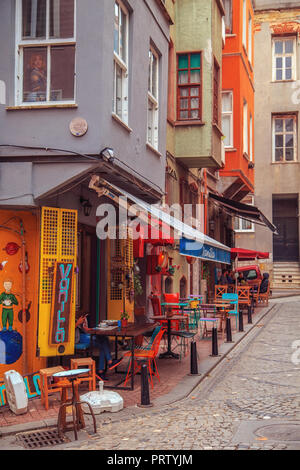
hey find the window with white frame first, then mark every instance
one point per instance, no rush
(45, 51)
(251, 138)
(152, 116)
(284, 138)
(284, 58)
(120, 97)
(245, 128)
(227, 118)
(250, 38)
(228, 16)
(242, 225)
(244, 24)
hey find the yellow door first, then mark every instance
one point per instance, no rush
(119, 279)
(58, 244)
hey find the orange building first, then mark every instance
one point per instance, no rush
(238, 100)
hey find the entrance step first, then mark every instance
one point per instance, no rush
(286, 275)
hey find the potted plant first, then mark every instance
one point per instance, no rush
(124, 319)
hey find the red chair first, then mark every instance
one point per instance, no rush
(174, 298)
(146, 355)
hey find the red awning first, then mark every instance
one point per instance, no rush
(248, 255)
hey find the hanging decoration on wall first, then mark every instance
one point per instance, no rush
(27, 266)
(12, 248)
(2, 265)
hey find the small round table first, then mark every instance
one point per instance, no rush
(77, 414)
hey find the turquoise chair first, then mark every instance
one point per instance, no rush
(234, 300)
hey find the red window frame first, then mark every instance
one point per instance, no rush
(188, 86)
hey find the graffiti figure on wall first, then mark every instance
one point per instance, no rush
(11, 340)
(8, 300)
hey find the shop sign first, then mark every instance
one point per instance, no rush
(61, 303)
(204, 251)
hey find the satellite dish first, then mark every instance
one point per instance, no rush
(16, 392)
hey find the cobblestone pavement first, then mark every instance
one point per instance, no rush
(257, 381)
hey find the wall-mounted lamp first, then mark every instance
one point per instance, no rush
(107, 154)
(86, 205)
(212, 225)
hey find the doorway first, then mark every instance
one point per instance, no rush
(285, 218)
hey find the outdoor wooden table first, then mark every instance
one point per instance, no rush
(131, 331)
(169, 352)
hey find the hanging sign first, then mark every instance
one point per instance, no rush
(61, 303)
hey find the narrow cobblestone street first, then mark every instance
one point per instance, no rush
(256, 384)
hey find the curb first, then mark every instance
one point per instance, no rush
(181, 391)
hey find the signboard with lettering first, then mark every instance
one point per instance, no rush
(61, 303)
(204, 251)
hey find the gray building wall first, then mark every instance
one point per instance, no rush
(94, 92)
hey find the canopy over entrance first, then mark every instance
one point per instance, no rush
(248, 255)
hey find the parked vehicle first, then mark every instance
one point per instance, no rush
(252, 273)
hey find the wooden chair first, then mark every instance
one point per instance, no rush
(90, 377)
(244, 297)
(255, 292)
(219, 291)
(263, 298)
(49, 386)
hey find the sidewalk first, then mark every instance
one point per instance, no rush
(175, 384)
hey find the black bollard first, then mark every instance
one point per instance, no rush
(194, 362)
(249, 314)
(145, 395)
(241, 321)
(214, 342)
(228, 331)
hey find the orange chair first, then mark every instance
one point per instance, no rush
(90, 377)
(49, 386)
(263, 298)
(219, 291)
(244, 296)
(146, 355)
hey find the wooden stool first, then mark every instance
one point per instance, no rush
(90, 376)
(48, 387)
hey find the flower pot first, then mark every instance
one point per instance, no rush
(124, 323)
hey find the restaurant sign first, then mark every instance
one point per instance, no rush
(61, 303)
(204, 251)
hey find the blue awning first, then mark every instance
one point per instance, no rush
(204, 251)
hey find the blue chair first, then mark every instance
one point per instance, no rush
(234, 300)
(148, 346)
(82, 341)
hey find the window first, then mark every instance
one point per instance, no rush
(216, 96)
(228, 16)
(284, 138)
(251, 138)
(284, 59)
(250, 38)
(242, 225)
(189, 86)
(245, 128)
(227, 118)
(120, 97)
(152, 120)
(46, 51)
(244, 24)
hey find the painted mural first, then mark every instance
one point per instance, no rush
(19, 241)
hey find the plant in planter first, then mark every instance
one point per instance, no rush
(158, 269)
(171, 270)
(124, 319)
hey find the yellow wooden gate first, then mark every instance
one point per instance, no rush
(58, 243)
(120, 278)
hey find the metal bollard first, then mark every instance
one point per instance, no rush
(249, 314)
(241, 321)
(214, 342)
(194, 362)
(145, 395)
(228, 331)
